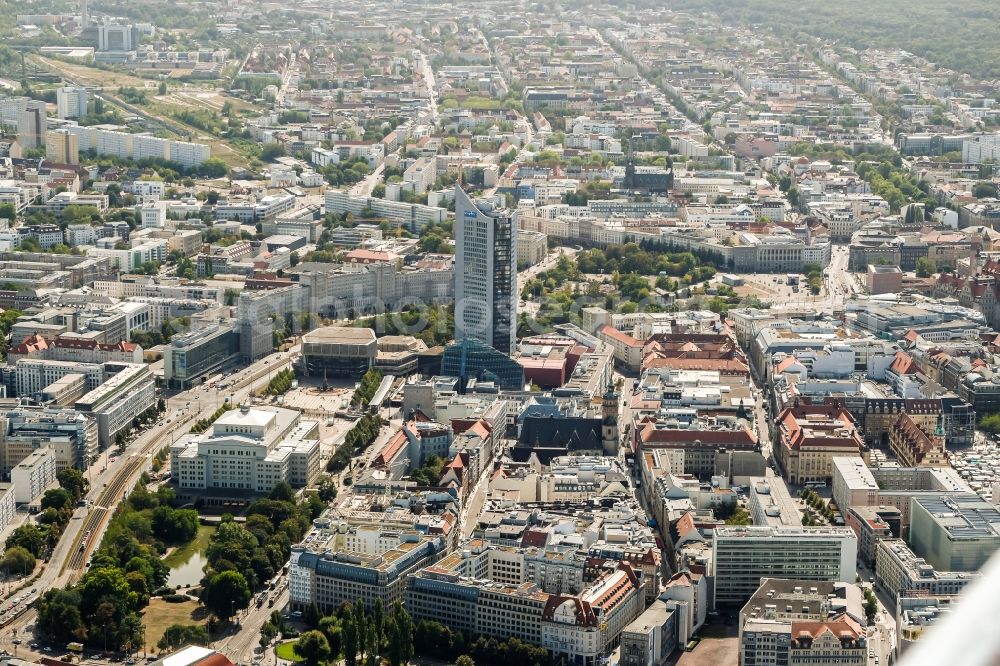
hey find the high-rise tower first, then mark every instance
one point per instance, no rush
(485, 273)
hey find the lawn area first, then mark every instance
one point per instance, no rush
(287, 651)
(159, 615)
(91, 76)
(182, 554)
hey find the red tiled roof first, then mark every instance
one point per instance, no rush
(615, 334)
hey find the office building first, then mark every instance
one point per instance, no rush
(114, 37)
(261, 313)
(247, 450)
(153, 215)
(770, 504)
(835, 642)
(914, 446)
(485, 274)
(899, 571)
(198, 354)
(31, 376)
(339, 351)
(802, 622)
(741, 556)
(119, 400)
(62, 147)
(32, 124)
(34, 475)
(71, 435)
(853, 483)
(954, 532)
(872, 524)
(917, 613)
(544, 597)
(321, 573)
(650, 638)
(71, 102)
(809, 438)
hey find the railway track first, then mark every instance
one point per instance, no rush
(101, 511)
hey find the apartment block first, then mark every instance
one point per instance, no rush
(34, 475)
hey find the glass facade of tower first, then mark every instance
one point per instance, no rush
(485, 273)
(473, 359)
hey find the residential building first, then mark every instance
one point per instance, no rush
(71, 102)
(62, 146)
(137, 146)
(32, 124)
(34, 475)
(485, 274)
(532, 247)
(741, 556)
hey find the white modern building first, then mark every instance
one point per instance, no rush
(71, 102)
(34, 475)
(119, 400)
(8, 504)
(248, 450)
(153, 215)
(741, 556)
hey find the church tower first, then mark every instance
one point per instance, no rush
(609, 421)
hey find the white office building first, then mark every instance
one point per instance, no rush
(741, 556)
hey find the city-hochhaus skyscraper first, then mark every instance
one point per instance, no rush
(485, 273)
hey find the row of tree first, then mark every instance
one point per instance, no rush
(364, 636)
(34, 541)
(358, 438)
(281, 382)
(366, 388)
(201, 425)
